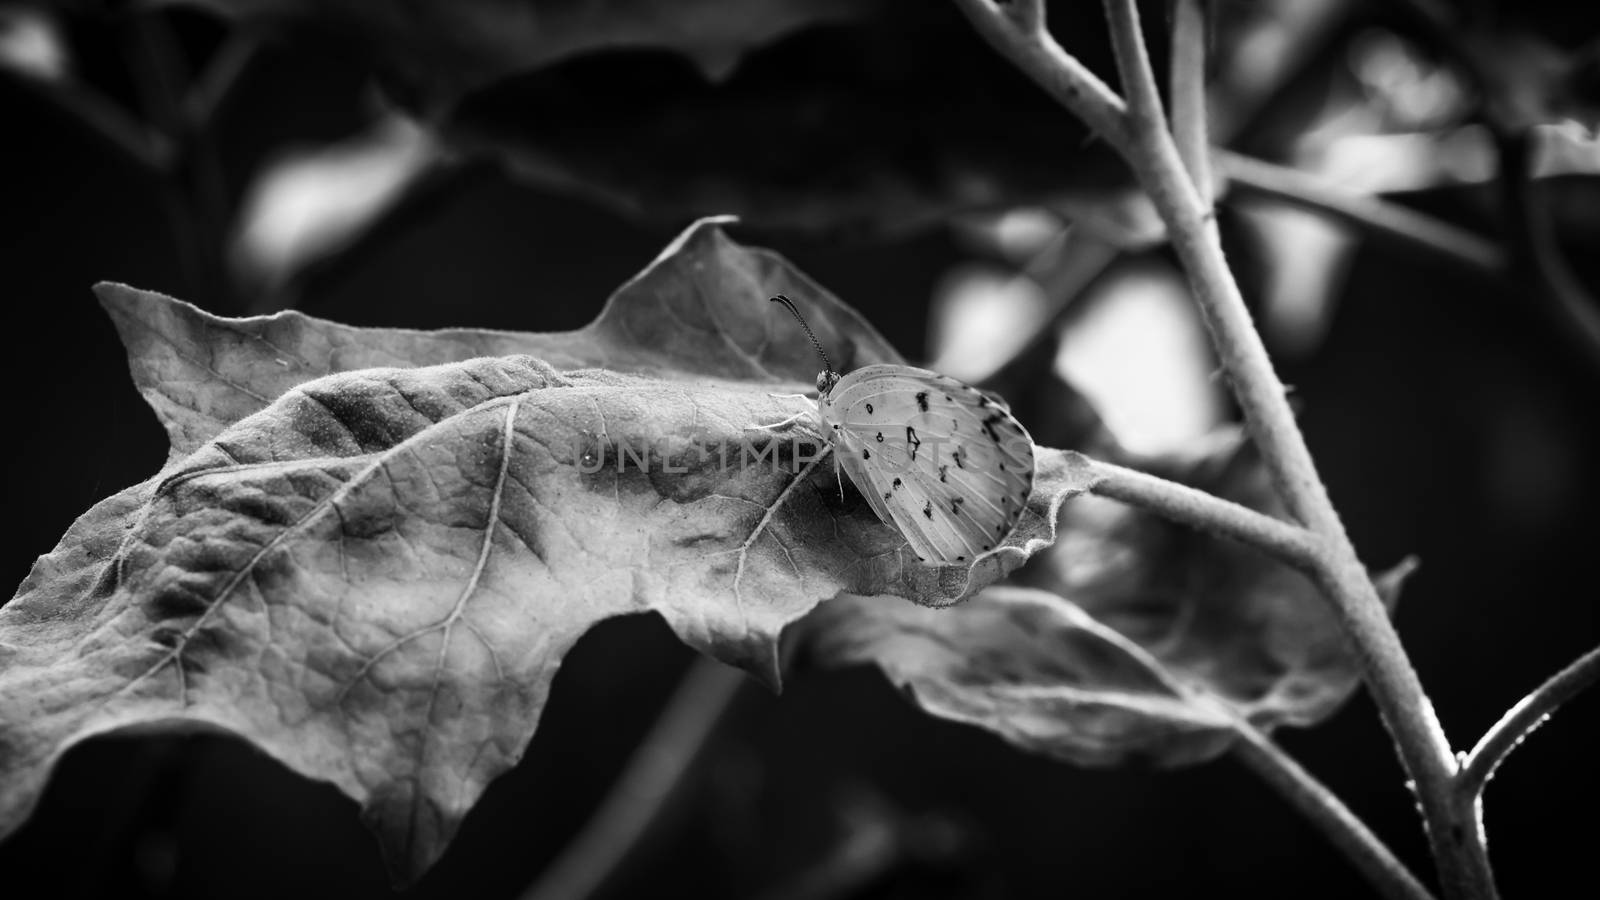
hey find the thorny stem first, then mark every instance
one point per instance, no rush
(1507, 734)
(1207, 512)
(1457, 841)
(647, 781)
(1149, 149)
(1188, 81)
(1328, 814)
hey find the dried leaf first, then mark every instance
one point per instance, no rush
(1033, 668)
(1249, 629)
(1173, 638)
(202, 373)
(374, 574)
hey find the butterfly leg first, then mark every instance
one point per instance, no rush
(779, 426)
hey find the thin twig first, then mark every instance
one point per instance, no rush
(1448, 36)
(1146, 115)
(1328, 814)
(127, 137)
(1288, 542)
(1307, 191)
(1188, 91)
(1507, 734)
(639, 795)
(1457, 842)
(1066, 79)
(223, 72)
(194, 193)
(1536, 250)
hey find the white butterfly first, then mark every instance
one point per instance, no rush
(937, 458)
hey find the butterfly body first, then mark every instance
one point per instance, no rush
(938, 459)
(941, 461)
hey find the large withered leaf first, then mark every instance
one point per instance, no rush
(1139, 640)
(697, 311)
(373, 574)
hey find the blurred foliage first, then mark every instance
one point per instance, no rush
(874, 116)
(880, 118)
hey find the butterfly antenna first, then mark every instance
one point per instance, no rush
(789, 305)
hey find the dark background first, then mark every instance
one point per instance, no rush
(1447, 421)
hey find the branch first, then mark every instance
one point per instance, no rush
(1290, 543)
(1307, 191)
(1038, 55)
(641, 792)
(1520, 721)
(1455, 835)
(1145, 114)
(1456, 840)
(1188, 91)
(1328, 814)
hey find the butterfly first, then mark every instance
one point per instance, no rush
(938, 459)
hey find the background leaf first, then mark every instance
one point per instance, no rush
(459, 45)
(813, 114)
(1148, 644)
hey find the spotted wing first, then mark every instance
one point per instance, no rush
(950, 465)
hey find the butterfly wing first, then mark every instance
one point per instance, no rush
(862, 478)
(948, 464)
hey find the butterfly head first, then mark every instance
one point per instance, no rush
(827, 378)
